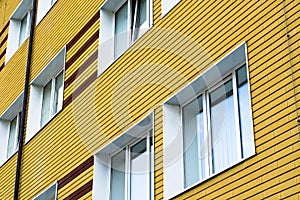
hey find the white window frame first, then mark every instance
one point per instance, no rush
(102, 159)
(173, 133)
(167, 6)
(52, 95)
(207, 119)
(16, 134)
(5, 120)
(107, 30)
(43, 8)
(13, 41)
(55, 184)
(51, 71)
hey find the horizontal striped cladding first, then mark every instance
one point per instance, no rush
(78, 170)
(81, 191)
(94, 19)
(218, 26)
(158, 183)
(57, 161)
(84, 47)
(279, 140)
(7, 174)
(12, 77)
(3, 54)
(46, 44)
(4, 29)
(3, 41)
(81, 69)
(80, 89)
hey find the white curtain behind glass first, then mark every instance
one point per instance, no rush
(58, 94)
(224, 144)
(121, 25)
(12, 137)
(117, 185)
(139, 173)
(245, 113)
(46, 103)
(23, 29)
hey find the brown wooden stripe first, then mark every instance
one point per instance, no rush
(82, 49)
(3, 41)
(81, 69)
(2, 54)
(76, 172)
(83, 30)
(2, 66)
(4, 28)
(86, 188)
(80, 89)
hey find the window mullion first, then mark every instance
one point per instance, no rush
(134, 21)
(236, 116)
(52, 97)
(127, 173)
(17, 132)
(148, 165)
(207, 133)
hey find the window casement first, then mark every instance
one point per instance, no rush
(52, 98)
(12, 143)
(124, 168)
(215, 128)
(43, 8)
(9, 130)
(49, 194)
(130, 172)
(19, 27)
(121, 24)
(46, 95)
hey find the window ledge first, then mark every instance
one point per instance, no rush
(194, 186)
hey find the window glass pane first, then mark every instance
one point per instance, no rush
(224, 144)
(49, 194)
(117, 185)
(121, 21)
(58, 94)
(12, 137)
(140, 17)
(245, 113)
(139, 173)
(23, 29)
(193, 142)
(46, 104)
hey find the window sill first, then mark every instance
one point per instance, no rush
(102, 69)
(42, 128)
(8, 159)
(42, 18)
(211, 177)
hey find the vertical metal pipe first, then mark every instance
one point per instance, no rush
(24, 102)
(291, 67)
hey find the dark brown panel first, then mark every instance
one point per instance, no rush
(82, 49)
(4, 28)
(83, 30)
(80, 89)
(2, 54)
(81, 191)
(2, 66)
(3, 41)
(76, 172)
(81, 69)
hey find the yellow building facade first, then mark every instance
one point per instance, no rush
(149, 99)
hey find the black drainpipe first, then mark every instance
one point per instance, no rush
(24, 102)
